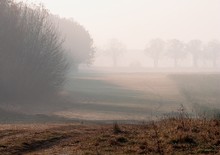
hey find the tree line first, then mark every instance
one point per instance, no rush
(174, 49)
(178, 50)
(37, 50)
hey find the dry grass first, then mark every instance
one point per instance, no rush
(179, 135)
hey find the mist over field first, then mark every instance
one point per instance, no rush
(109, 77)
(108, 60)
(135, 24)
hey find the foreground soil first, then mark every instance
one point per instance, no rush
(168, 136)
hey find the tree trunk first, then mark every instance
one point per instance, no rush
(115, 62)
(156, 63)
(195, 62)
(214, 63)
(175, 62)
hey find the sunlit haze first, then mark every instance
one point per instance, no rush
(109, 77)
(135, 22)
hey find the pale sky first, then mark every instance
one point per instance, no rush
(135, 22)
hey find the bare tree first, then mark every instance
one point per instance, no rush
(195, 48)
(213, 51)
(33, 64)
(175, 49)
(155, 49)
(114, 50)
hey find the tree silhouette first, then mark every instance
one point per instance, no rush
(77, 41)
(175, 49)
(195, 48)
(155, 49)
(32, 62)
(213, 51)
(114, 50)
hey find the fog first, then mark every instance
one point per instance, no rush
(135, 23)
(109, 77)
(108, 59)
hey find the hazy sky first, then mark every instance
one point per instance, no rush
(135, 22)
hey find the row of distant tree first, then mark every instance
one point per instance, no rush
(175, 49)
(36, 51)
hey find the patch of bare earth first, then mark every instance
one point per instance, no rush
(168, 136)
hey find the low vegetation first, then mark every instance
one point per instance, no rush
(176, 135)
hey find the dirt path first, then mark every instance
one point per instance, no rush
(25, 141)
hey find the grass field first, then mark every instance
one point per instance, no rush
(139, 96)
(145, 105)
(124, 97)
